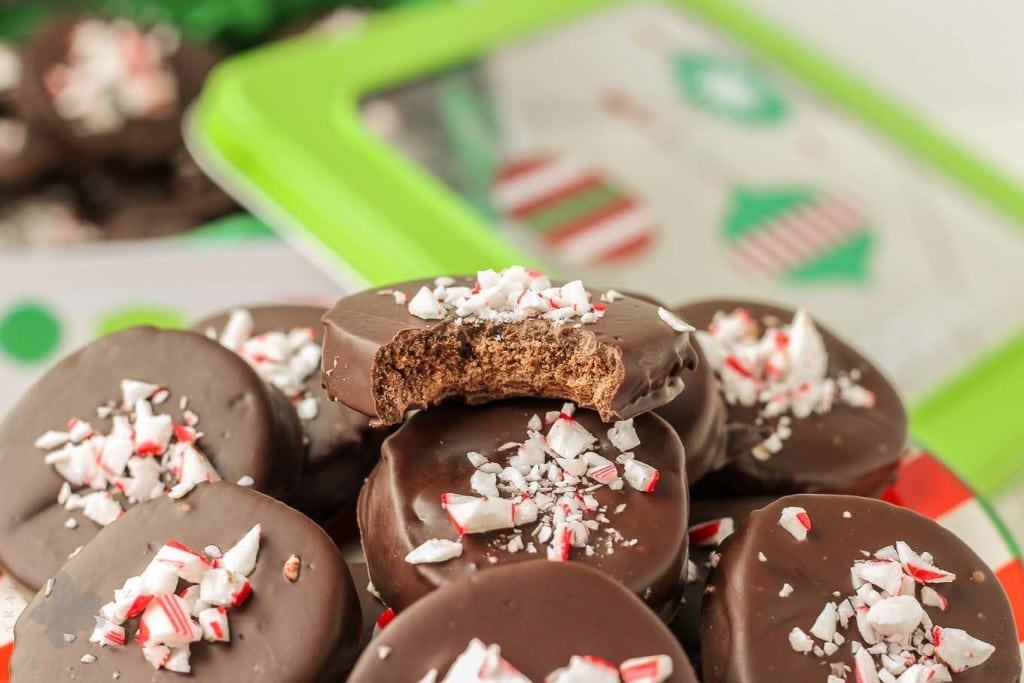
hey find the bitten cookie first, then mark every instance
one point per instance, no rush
(513, 333)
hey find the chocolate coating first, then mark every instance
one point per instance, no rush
(247, 428)
(846, 450)
(540, 613)
(400, 505)
(140, 142)
(654, 357)
(686, 625)
(699, 417)
(341, 448)
(302, 631)
(746, 624)
(370, 606)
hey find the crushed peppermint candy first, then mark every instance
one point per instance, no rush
(513, 295)
(285, 359)
(711, 533)
(480, 663)
(550, 482)
(892, 637)
(170, 618)
(114, 72)
(145, 455)
(782, 370)
(796, 521)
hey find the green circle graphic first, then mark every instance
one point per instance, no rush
(730, 88)
(29, 332)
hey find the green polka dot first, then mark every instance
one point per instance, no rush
(29, 332)
(140, 315)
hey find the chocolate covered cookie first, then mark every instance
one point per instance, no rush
(699, 417)
(223, 584)
(813, 586)
(282, 343)
(461, 489)
(127, 418)
(535, 621)
(110, 89)
(513, 333)
(806, 412)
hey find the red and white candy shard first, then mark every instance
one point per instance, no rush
(585, 670)
(550, 480)
(512, 295)
(144, 455)
(433, 551)
(674, 321)
(284, 358)
(114, 72)
(796, 521)
(480, 663)
(783, 369)
(901, 645)
(171, 619)
(641, 476)
(710, 534)
(650, 669)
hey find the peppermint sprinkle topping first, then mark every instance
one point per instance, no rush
(796, 521)
(285, 359)
(783, 369)
(115, 72)
(171, 620)
(549, 481)
(513, 295)
(480, 663)
(145, 455)
(897, 642)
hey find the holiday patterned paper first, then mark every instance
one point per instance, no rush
(745, 185)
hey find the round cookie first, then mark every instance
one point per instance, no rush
(541, 614)
(637, 537)
(851, 448)
(341, 448)
(246, 429)
(391, 350)
(768, 599)
(711, 521)
(699, 417)
(301, 630)
(84, 124)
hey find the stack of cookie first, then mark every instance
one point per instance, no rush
(90, 132)
(552, 483)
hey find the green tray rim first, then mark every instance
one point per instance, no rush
(340, 192)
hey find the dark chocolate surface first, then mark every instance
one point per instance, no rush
(540, 613)
(699, 417)
(342, 448)
(248, 429)
(655, 357)
(686, 625)
(746, 624)
(370, 606)
(141, 142)
(302, 631)
(400, 505)
(846, 450)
